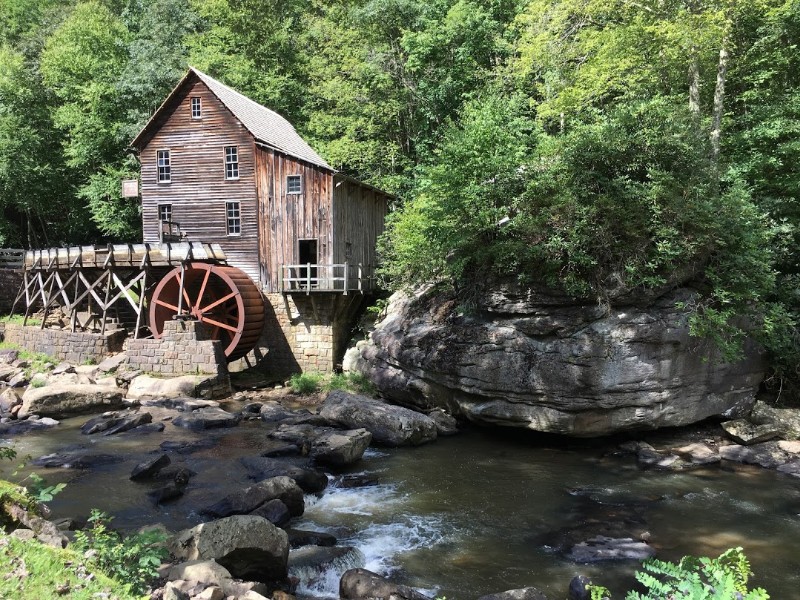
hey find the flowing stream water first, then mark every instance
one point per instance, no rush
(480, 512)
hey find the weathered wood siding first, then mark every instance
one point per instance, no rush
(198, 190)
(285, 218)
(359, 215)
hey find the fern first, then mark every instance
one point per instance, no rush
(722, 578)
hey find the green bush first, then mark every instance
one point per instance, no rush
(132, 560)
(350, 382)
(305, 383)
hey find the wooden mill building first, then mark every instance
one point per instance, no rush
(219, 168)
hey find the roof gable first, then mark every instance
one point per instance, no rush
(265, 125)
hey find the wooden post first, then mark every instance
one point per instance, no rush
(346, 278)
(308, 278)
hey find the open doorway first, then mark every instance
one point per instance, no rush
(307, 253)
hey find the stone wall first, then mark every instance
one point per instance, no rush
(10, 282)
(74, 347)
(185, 348)
(306, 332)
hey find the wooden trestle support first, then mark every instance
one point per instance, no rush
(151, 281)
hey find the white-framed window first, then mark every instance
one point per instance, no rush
(165, 213)
(233, 215)
(164, 169)
(294, 184)
(197, 108)
(231, 162)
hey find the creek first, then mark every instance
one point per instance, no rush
(480, 512)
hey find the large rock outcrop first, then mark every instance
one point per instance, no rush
(551, 364)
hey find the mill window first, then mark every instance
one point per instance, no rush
(234, 218)
(164, 169)
(197, 108)
(231, 162)
(294, 184)
(165, 213)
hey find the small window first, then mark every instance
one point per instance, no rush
(234, 218)
(164, 171)
(294, 184)
(231, 162)
(165, 213)
(197, 108)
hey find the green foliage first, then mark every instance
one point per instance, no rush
(305, 383)
(39, 362)
(132, 560)
(723, 578)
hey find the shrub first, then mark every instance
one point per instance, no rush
(350, 382)
(132, 560)
(305, 383)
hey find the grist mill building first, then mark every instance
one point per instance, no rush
(218, 168)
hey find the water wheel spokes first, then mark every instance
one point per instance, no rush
(224, 298)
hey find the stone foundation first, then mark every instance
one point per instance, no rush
(306, 332)
(185, 348)
(74, 347)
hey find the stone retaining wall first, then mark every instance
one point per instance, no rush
(10, 282)
(185, 348)
(74, 347)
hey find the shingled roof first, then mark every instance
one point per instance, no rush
(266, 126)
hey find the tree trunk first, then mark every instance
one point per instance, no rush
(719, 103)
(694, 86)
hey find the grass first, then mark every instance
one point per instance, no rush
(35, 571)
(18, 319)
(39, 362)
(305, 384)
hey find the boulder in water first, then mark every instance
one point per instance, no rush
(149, 468)
(251, 498)
(249, 547)
(535, 359)
(57, 400)
(602, 548)
(310, 480)
(207, 418)
(744, 432)
(360, 584)
(389, 425)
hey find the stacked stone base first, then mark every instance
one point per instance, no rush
(74, 347)
(185, 348)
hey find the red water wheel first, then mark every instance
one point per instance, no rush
(224, 298)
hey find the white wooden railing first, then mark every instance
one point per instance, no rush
(342, 278)
(11, 258)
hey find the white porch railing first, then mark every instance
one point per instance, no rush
(344, 278)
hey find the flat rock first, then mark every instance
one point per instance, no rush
(769, 455)
(207, 418)
(8, 356)
(167, 493)
(59, 401)
(62, 368)
(7, 371)
(146, 386)
(112, 363)
(249, 547)
(698, 453)
(744, 432)
(389, 425)
(445, 424)
(77, 460)
(180, 404)
(310, 480)
(19, 380)
(181, 447)
(251, 498)
(528, 593)
(26, 426)
(272, 412)
(603, 548)
(111, 423)
(203, 571)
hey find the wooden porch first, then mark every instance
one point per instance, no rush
(342, 278)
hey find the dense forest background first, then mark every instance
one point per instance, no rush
(612, 148)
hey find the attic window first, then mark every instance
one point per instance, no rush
(197, 108)
(294, 184)
(164, 170)
(231, 162)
